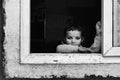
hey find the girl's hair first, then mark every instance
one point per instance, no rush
(72, 28)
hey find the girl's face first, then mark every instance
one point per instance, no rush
(73, 37)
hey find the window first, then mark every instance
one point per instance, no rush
(30, 56)
(116, 27)
(48, 20)
(111, 35)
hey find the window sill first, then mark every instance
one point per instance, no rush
(52, 58)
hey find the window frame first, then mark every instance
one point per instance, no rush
(109, 33)
(68, 58)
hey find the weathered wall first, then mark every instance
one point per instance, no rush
(12, 50)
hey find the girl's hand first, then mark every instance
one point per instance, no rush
(84, 49)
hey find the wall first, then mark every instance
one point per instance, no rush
(11, 55)
(1, 42)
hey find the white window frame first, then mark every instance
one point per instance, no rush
(109, 29)
(58, 58)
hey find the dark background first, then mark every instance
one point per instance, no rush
(49, 18)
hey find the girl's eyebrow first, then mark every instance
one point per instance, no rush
(69, 36)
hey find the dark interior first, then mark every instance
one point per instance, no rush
(49, 18)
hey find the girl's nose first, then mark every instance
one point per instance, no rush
(73, 40)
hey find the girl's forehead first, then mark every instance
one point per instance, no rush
(73, 32)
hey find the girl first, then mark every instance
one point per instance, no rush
(96, 46)
(73, 38)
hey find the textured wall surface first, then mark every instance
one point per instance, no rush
(12, 52)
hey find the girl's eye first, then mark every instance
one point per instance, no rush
(69, 37)
(77, 38)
